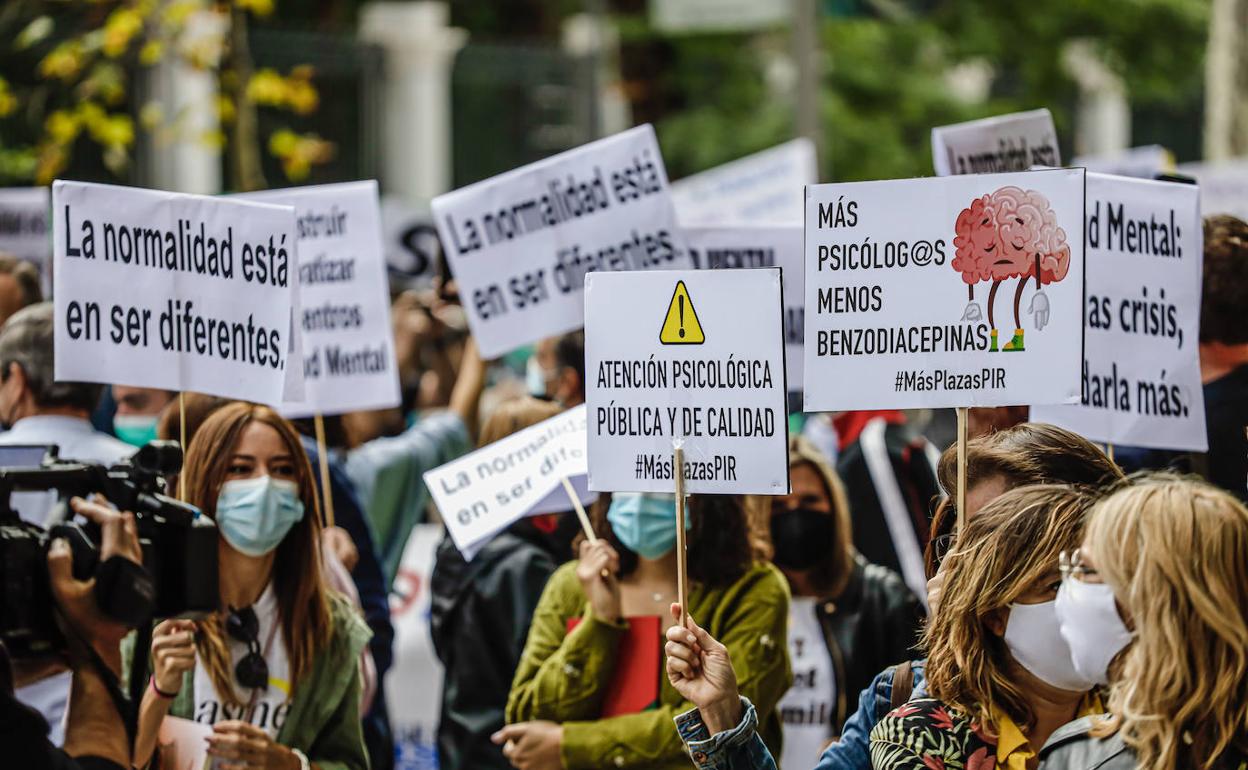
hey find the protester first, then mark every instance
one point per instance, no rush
(1153, 603)
(848, 618)
(482, 609)
(138, 413)
(556, 370)
(19, 286)
(387, 471)
(1029, 453)
(273, 699)
(554, 712)
(1224, 354)
(39, 411)
(890, 478)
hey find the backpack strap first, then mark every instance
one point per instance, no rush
(903, 686)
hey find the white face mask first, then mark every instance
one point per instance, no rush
(1090, 624)
(1035, 641)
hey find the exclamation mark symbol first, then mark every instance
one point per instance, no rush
(680, 308)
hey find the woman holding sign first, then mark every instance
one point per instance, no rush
(274, 675)
(589, 691)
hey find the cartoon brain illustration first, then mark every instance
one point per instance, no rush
(1010, 233)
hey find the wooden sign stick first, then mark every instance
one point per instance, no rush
(961, 493)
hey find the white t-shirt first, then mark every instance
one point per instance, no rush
(272, 705)
(808, 707)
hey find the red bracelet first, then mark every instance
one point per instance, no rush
(160, 692)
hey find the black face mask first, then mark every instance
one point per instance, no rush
(802, 538)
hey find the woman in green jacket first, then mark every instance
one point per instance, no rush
(275, 674)
(555, 710)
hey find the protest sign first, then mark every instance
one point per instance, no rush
(1223, 186)
(414, 711)
(344, 301)
(695, 356)
(1141, 371)
(521, 243)
(410, 240)
(24, 224)
(763, 188)
(1013, 142)
(173, 291)
(717, 248)
(482, 493)
(919, 288)
(1144, 162)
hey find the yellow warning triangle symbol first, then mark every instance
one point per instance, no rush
(681, 326)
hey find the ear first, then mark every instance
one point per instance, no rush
(997, 620)
(566, 384)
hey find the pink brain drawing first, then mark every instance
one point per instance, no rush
(1000, 236)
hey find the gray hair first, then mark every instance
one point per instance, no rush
(26, 340)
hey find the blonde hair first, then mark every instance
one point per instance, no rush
(1175, 551)
(1012, 543)
(514, 416)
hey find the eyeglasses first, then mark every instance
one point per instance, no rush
(252, 670)
(1071, 565)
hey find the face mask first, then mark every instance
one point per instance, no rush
(1033, 638)
(802, 537)
(535, 378)
(645, 523)
(135, 429)
(1090, 624)
(255, 514)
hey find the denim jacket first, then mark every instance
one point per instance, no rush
(741, 749)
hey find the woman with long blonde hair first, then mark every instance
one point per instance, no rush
(999, 676)
(1154, 603)
(274, 673)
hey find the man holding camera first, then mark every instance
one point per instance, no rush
(95, 734)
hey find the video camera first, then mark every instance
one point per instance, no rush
(179, 547)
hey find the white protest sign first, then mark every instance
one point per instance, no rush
(410, 240)
(718, 248)
(482, 493)
(762, 188)
(918, 291)
(24, 223)
(696, 356)
(1013, 142)
(173, 291)
(1144, 162)
(1141, 371)
(1223, 186)
(344, 300)
(521, 243)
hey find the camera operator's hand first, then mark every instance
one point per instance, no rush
(76, 598)
(241, 746)
(173, 653)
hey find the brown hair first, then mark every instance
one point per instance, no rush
(198, 407)
(832, 572)
(725, 537)
(1175, 552)
(514, 416)
(1029, 453)
(25, 275)
(302, 597)
(1224, 291)
(1007, 547)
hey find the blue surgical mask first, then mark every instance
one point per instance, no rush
(535, 378)
(645, 522)
(135, 429)
(254, 515)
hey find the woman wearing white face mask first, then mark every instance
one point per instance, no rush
(565, 709)
(999, 674)
(274, 673)
(1153, 602)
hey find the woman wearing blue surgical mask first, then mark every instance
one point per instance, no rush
(590, 691)
(274, 674)
(138, 413)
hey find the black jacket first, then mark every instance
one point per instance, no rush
(480, 616)
(874, 623)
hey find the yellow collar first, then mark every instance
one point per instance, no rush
(1013, 750)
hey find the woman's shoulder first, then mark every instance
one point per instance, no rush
(346, 621)
(763, 580)
(929, 724)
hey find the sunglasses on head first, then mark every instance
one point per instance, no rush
(252, 670)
